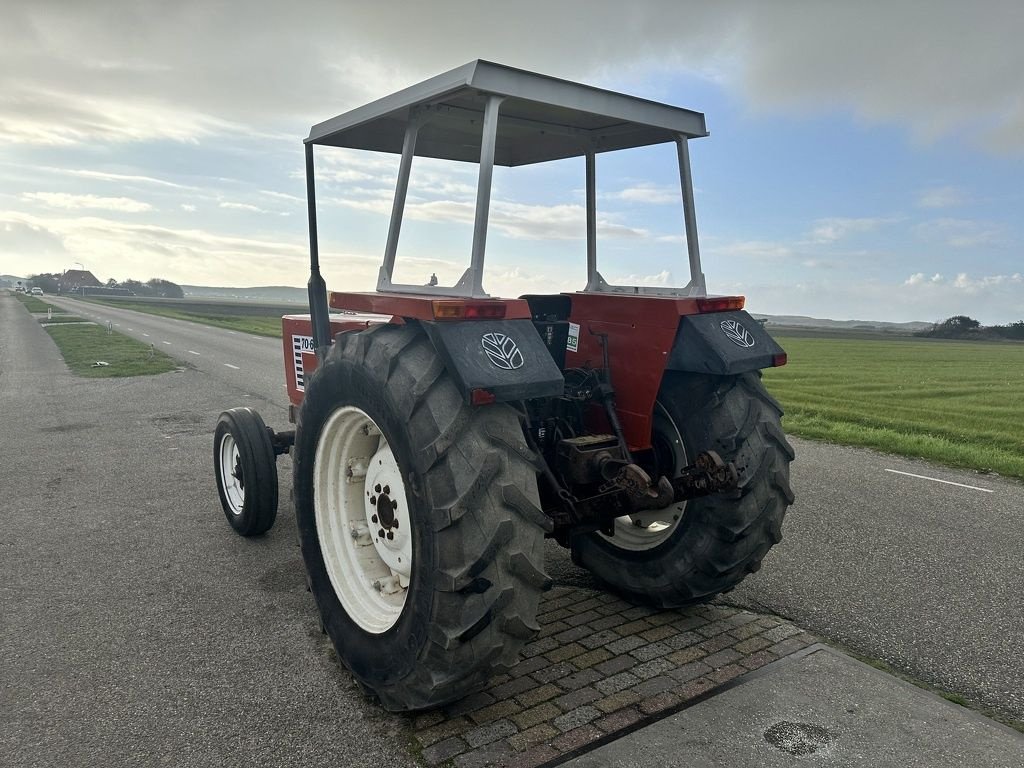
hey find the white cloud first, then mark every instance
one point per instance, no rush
(250, 208)
(834, 229)
(960, 233)
(941, 197)
(650, 193)
(188, 207)
(919, 278)
(65, 200)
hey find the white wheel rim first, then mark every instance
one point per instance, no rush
(231, 475)
(362, 519)
(650, 528)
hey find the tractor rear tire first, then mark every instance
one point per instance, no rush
(418, 519)
(245, 466)
(691, 551)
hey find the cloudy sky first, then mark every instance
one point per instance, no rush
(865, 159)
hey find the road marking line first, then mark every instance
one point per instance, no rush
(192, 352)
(145, 334)
(936, 480)
(167, 343)
(229, 365)
(131, 329)
(232, 333)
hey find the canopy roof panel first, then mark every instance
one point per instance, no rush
(541, 118)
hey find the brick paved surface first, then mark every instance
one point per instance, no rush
(598, 666)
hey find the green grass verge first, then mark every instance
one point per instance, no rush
(32, 304)
(260, 326)
(62, 319)
(958, 403)
(83, 345)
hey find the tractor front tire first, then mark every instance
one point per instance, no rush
(418, 519)
(691, 551)
(245, 466)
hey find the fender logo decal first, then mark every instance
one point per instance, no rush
(737, 334)
(502, 351)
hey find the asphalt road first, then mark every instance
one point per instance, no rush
(921, 574)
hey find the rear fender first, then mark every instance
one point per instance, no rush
(722, 344)
(496, 360)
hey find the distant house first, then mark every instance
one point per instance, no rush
(75, 279)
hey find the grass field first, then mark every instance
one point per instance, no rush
(83, 345)
(959, 403)
(32, 304)
(261, 326)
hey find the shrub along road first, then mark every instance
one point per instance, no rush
(921, 574)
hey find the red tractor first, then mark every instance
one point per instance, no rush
(441, 434)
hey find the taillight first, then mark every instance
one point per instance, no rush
(447, 309)
(778, 360)
(720, 303)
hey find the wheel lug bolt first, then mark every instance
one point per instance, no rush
(387, 489)
(390, 535)
(377, 487)
(373, 499)
(374, 518)
(394, 504)
(381, 533)
(395, 524)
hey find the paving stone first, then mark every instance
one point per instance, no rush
(485, 734)
(576, 717)
(781, 632)
(538, 734)
(590, 658)
(652, 668)
(650, 651)
(579, 679)
(495, 711)
(618, 700)
(442, 731)
(718, 642)
(728, 673)
(560, 614)
(552, 628)
(553, 672)
(658, 633)
(639, 611)
(616, 664)
(618, 720)
(625, 644)
(690, 671)
(565, 652)
(582, 618)
(717, 612)
(575, 633)
(498, 753)
(688, 623)
(444, 750)
(539, 714)
(513, 687)
(686, 655)
(538, 695)
(577, 738)
(469, 703)
(606, 622)
(633, 627)
(616, 682)
(665, 617)
(787, 647)
(752, 644)
(543, 645)
(660, 702)
(656, 685)
(684, 640)
(714, 628)
(542, 753)
(587, 605)
(526, 666)
(577, 698)
(747, 630)
(742, 618)
(695, 688)
(758, 660)
(595, 639)
(722, 658)
(427, 719)
(768, 622)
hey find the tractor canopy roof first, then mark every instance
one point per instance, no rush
(542, 118)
